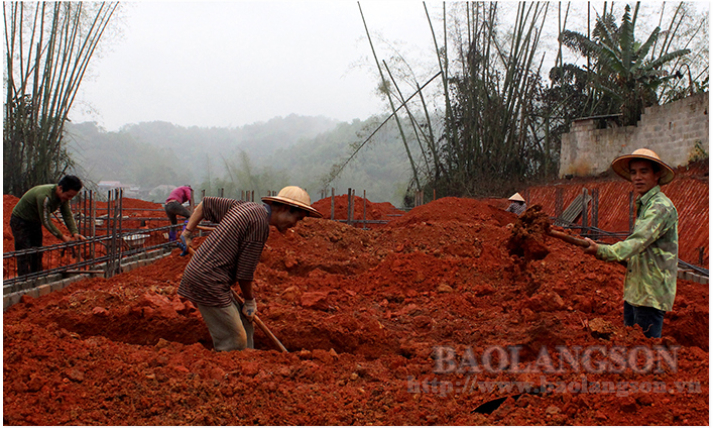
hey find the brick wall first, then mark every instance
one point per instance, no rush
(671, 130)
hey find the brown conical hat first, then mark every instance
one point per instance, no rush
(621, 165)
(296, 197)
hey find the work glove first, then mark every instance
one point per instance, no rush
(185, 242)
(250, 308)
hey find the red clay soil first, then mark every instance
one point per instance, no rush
(374, 210)
(361, 312)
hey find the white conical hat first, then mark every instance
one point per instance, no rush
(516, 197)
(295, 197)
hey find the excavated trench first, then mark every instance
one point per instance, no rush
(362, 314)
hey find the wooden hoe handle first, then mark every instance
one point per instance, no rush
(263, 327)
(568, 238)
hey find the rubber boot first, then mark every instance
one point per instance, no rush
(171, 235)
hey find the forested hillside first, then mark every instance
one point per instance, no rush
(262, 156)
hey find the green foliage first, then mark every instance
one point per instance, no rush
(495, 133)
(626, 77)
(118, 156)
(698, 154)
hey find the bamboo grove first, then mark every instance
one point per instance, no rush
(499, 121)
(48, 48)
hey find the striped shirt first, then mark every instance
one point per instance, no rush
(517, 208)
(230, 253)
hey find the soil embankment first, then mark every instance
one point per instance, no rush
(364, 314)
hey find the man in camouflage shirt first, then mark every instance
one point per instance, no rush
(651, 251)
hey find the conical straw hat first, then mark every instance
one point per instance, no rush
(516, 197)
(295, 197)
(621, 165)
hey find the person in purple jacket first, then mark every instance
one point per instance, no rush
(174, 207)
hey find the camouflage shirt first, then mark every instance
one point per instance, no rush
(651, 251)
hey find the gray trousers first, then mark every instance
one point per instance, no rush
(174, 209)
(228, 327)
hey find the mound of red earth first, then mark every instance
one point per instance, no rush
(375, 320)
(374, 210)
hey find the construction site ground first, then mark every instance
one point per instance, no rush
(363, 314)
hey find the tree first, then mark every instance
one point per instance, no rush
(622, 71)
(495, 135)
(48, 49)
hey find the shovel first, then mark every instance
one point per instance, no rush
(275, 341)
(567, 238)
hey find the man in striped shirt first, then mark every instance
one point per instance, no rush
(231, 253)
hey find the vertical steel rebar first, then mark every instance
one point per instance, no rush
(349, 205)
(585, 207)
(332, 211)
(108, 243)
(364, 225)
(121, 237)
(93, 214)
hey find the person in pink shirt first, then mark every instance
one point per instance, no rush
(174, 207)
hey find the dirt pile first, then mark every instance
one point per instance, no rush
(374, 210)
(365, 314)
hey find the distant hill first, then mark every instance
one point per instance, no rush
(262, 156)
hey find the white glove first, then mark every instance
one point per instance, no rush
(250, 308)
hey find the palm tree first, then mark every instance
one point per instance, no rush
(621, 70)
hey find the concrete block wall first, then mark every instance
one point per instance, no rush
(672, 130)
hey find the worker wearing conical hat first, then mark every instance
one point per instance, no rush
(517, 205)
(651, 251)
(230, 254)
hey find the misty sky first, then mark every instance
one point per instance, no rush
(228, 64)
